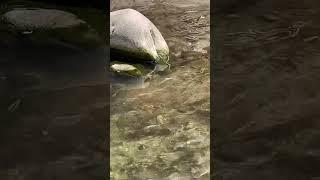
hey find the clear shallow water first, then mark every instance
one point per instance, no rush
(162, 131)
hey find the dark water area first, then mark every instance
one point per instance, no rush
(53, 107)
(266, 84)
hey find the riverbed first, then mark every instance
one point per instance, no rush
(160, 128)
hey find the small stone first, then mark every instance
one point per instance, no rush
(126, 69)
(141, 147)
(160, 119)
(123, 67)
(27, 32)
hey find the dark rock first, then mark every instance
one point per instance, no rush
(98, 4)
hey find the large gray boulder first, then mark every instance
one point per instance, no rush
(135, 36)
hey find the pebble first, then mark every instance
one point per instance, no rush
(160, 119)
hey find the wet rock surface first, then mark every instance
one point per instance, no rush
(126, 70)
(136, 37)
(45, 29)
(41, 19)
(266, 81)
(161, 130)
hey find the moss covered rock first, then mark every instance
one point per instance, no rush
(134, 36)
(125, 70)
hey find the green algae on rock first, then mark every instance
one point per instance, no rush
(126, 70)
(135, 36)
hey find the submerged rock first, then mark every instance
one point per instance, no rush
(32, 19)
(78, 3)
(50, 29)
(134, 36)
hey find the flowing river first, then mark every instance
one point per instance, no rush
(160, 128)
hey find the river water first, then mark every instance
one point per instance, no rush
(160, 128)
(53, 103)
